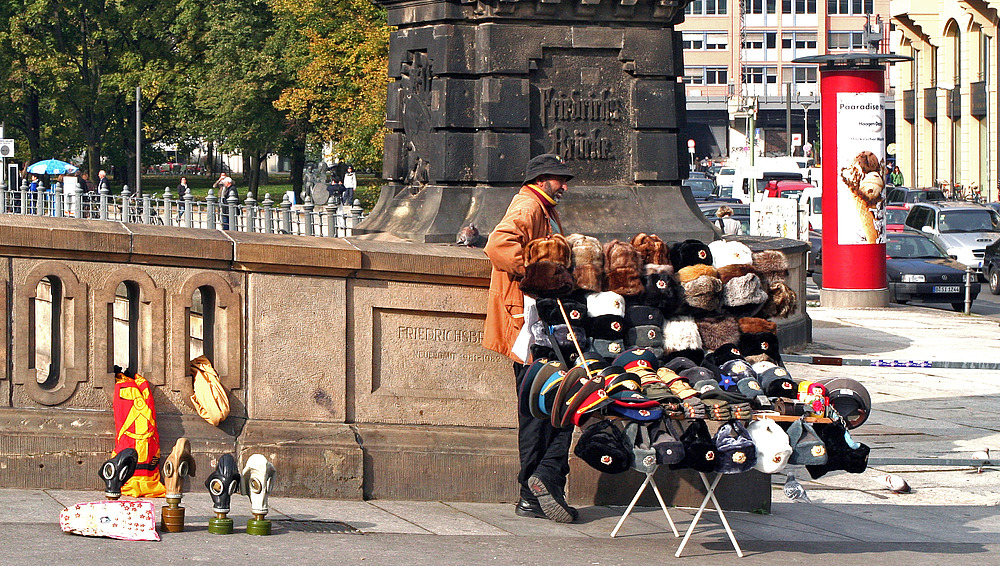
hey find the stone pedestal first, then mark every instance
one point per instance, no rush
(481, 87)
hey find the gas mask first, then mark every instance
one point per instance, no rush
(223, 482)
(117, 470)
(258, 476)
(178, 464)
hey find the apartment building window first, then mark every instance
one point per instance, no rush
(761, 6)
(850, 7)
(761, 40)
(760, 75)
(716, 75)
(706, 75)
(845, 40)
(798, 6)
(694, 75)
(707, 8)
(700, 40)
(798, 40)
(799, 75)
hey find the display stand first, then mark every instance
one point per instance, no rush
(648, 481)
(722, 515)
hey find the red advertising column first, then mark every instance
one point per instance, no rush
(852, 93)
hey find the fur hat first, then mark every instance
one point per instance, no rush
(759, 347)
(781, 301)
(651, 249)
(606, 302)
(681, 334)
(689, 252)
(621, 262)
(692, 272)
(552, 248)
(754, 325)
(546, 279)
(703, 293)
(718, 331)
(744, 291)
(625, 282)
(726, 252)
(663, 292)
(588, 262)
(771, 264)
(734, 270)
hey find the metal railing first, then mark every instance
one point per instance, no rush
(266, 216)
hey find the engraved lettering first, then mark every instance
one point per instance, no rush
(566, 115)
(427, 334)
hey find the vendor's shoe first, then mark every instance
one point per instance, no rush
(528, 508)
(551, 501)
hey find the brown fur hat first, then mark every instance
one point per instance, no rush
(552, 248)
(692, 272)
(619, 255)
(703, 293)
(772, 265)
(734, 270)
(546, 279)
(588, 262)
(716, 331)
(624, 281)
(651, 249)
(782, 301)
(754, 325)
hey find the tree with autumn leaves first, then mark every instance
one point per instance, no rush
(258, 77)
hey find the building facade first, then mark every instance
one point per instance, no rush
(947, 95)
(721, 100)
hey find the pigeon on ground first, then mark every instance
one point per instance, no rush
(470, 236)
(895, 483)
(983, 455)
(794, 490)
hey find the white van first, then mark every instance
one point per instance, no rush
(811, 204)
(749, 182)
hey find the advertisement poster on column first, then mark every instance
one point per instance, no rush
(861, 168)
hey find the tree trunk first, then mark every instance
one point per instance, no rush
(32, 123)
(298, 155)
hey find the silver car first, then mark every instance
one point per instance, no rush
(963, 229)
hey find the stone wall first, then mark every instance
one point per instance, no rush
(354, 365)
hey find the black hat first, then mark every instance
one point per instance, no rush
(546, 164)
(843, 452)
(604, 447)
(699, 448)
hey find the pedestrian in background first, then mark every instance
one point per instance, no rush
(350, 184)
(182, 189)
(729, 225)
(33, 194)
(896, 177)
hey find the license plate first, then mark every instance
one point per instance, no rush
(947, 289)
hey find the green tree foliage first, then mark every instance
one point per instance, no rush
(340, 84)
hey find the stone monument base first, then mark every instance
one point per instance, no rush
(435, 214)
(854, 299)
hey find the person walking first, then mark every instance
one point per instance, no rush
(33, 194)
(182, 189)
(543, 449)
(896, 177)
(350, 183)
(729, 225)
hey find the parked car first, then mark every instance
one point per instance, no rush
(700, 188)
(991, 267)
(786, 189)
(724, 178)
(963, 229)
(918, 270)
(895, 215)
(906, 196)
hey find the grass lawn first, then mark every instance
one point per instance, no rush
(367, 191)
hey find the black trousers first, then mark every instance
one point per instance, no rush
(544, 449)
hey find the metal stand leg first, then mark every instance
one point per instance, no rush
(648, 481)
(697, 517)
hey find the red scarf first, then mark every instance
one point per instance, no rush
(548, 203)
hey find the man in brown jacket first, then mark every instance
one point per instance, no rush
(544, 449)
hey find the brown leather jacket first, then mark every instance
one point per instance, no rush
(525, 220)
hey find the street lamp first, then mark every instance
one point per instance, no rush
(805, 103)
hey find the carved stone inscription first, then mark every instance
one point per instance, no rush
(579, 112)
(419, 353)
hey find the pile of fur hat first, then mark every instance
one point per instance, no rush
(680, 300)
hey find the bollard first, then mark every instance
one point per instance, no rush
(258, 477)
(117, 470)
(105, 198)
(309, 206)
(168, 207)
(210, 201)
(126, 204)
(178, 464)
(222, 484)
(331, 218)
(188, 203)
(57, 201)
(251, 205)
(968, 290)
(286, 215)
(268, 205)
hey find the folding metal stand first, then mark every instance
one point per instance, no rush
(718, 508)
(648, 481)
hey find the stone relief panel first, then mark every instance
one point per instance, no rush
(223, 318)
(404, 336)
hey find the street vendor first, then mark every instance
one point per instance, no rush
(543, 449)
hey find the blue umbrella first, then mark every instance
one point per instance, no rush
(52, 167)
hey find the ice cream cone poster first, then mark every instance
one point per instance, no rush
(860, 168)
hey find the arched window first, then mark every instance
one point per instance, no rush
(201, 323)
(45, 339)
(125, 326)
